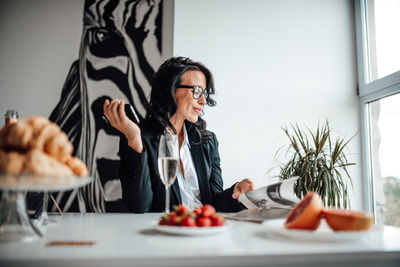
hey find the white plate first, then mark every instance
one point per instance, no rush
(199, 231)
(322, 234)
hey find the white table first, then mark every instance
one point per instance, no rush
(129, 240)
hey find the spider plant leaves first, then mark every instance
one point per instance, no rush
(320, 162)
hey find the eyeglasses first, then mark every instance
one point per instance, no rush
(196, 90)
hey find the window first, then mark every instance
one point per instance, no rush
(383, 24)
(378, 53)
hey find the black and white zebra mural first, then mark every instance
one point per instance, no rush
(119, 52)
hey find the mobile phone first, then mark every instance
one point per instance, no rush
(130, 113)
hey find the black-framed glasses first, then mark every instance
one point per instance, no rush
(196, 90)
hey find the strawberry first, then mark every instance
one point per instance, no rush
(208, 210)
(173, 218)
(180, 210)
(203, 222)
(188, 222)
(217, 220)
(172, 213)
(203, 217)
(198, 211)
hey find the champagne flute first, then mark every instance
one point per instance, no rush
(168, 160)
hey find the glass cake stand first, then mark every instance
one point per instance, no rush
(15, 224)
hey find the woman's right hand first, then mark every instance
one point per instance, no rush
(115, 114)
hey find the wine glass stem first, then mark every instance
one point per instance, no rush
(166, 199)
(45, 204)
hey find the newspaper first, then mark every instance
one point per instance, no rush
(268, 202)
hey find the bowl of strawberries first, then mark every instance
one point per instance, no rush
(183, 221)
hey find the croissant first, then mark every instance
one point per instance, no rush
(40, 163)
(35, 145)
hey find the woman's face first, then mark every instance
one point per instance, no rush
(188, 107)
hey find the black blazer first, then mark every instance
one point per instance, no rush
(142, 188)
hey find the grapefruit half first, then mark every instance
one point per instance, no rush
(306, 214)
(348, 220)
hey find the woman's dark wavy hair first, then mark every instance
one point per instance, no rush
(162, 100)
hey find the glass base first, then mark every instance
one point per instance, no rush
(43, 223)
(15, 225)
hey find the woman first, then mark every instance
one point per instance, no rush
(180, 89)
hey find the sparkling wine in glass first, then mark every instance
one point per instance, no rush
(168, 160)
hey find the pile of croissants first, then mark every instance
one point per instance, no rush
(35, 145)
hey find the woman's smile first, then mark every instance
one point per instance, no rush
(197, 110)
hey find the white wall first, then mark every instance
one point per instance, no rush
(274, 62)
(39, 41)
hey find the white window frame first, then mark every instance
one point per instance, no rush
(369, 92)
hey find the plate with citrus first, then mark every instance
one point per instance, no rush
(183, 221)
(309, 220)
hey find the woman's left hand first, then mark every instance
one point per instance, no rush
(244, 186)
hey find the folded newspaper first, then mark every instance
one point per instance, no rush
(268, 202)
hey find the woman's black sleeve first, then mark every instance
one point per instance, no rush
(135, 179)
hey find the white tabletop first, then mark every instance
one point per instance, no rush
(130, 240)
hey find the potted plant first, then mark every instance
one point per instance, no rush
(321, 164)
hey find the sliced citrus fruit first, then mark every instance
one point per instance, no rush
(347, 220)
(306, 214)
